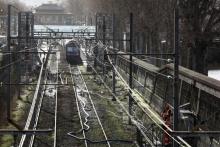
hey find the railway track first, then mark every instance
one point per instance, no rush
(86, 109)
(42, 109)
(76, 113)
(66, 105)
(89, 125)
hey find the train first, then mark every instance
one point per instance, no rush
(73, 53)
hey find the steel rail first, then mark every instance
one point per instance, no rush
(100, 123)
(122, 106)
(82, 103)
(21, 132)
(38, 113)
(55, 118)
(170, 130)
(34, 101)
(31, 112)
(185, 143)
(77, 104)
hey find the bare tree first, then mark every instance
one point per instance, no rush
(200, 20)
(154, 19)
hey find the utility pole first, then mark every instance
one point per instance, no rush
(138, 133)
(130, 65)
(176, 72)
(9, 61)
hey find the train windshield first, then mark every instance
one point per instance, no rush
(71, 49)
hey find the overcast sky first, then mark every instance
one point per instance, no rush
(38, 2)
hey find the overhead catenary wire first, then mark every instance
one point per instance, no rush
(132, 117)
(168, 60)
(149, 109)
(142, 109)
(122, 105)
(100, 141)
(8, 65)
(134, 63)
(4, 53)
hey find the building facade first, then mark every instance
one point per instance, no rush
(52, 14)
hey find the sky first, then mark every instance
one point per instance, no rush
(34, 3)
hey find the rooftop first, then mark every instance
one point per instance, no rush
(50, 7)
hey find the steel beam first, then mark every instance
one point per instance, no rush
(31, 52)
(1, 84)
(27, 132)
(196, 133)
(140, 54)
(47, 37)
(45, 32)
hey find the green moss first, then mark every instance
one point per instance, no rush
(7, 141)
(17, 115)
(111, 116)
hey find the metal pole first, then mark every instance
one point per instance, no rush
(96, 27)
(103, 37)
(19, 48)
(114, 62)
(176, 73)
(130, 65)
(9, 61)
(27, 30)
(138, 135)
(96, 38)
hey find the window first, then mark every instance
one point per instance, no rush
(73, 50)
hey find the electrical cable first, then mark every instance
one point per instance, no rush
(9, 65)
(141, 108)
(105, 48)
(97, 116)
(77, 104)
(99, 141)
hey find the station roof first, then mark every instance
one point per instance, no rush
(50, 8)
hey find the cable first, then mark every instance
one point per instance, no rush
(8, 65)
(4, 54)
(99, 141)
(162, 59)
(77, 104)
(94, 108)
(105, 48)
(131, 117)
(120, 103)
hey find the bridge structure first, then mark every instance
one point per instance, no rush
(193, 98)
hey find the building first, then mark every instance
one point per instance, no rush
(52, 14)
